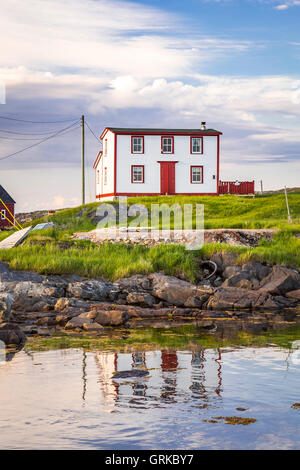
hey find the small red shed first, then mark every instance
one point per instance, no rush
(8, 211)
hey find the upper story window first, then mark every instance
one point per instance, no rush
(105, 176)
(105, 148)
(167, 144)
(137, 144)
(137, 174)
(3, 214)
(196, 144)
(196, 174)
(98, 177)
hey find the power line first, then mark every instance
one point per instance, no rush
(28, 133)
(93, 132)
(35, 122)
(61, 132)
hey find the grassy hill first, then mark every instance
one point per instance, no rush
(53, 251)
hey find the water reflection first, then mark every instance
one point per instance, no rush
(174, 375)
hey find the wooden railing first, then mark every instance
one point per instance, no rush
(236, 187)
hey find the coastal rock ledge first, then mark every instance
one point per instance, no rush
(37, 304)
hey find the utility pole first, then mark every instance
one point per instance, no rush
(82, 162)
(261, 187)
(287, 205)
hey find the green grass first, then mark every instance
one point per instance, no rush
(51, 251)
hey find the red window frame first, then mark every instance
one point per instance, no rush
(191, 174)
(105, 176)
(138, 166)
(162, 147)
(105, 148)
(143, 145)
(191, 144)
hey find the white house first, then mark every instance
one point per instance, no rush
(150, 162)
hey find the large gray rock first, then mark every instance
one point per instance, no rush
(77, 322)
(6, 302)
(25, 303)
(236, 298)
(94, 289)
(294, 294)
(11, 334)
(33, 289)
(175, 291)
(136, 283)
(141, 298)
(112, 317)
(280, 281)
(242, 279)
(256, 270)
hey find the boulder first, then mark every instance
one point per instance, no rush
(25, 303)
(256, 270)
(11, 334)
(32, 289)
(294, 294)
(236, 298)
(242, 279)
(94, 289)
(6, 302)
(77, 322)
(140, 298)
(196, 301)
(224, 259)
(175, 291)
(136, 283)
(61, 304)
(230, 271)
(280, 281)
(112, 317)
(93, 327)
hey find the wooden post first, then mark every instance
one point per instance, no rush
(287, 206)
(82, 162)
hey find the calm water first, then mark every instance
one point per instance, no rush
(67, 399)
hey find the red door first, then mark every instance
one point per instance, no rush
(167, 177)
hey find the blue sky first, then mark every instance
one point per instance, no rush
(231, 63)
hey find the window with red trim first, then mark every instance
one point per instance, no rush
(197, 145)
(105, 176)
(137, 174)
(197, 174)
(105, 148)
(167, 144)
(137, 144)
(98, 177)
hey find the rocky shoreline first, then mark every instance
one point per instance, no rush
(35, 304)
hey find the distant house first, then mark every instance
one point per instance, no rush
(4, 211)
(150, 162)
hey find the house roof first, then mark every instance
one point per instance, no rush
(136, 130)
(5, 196)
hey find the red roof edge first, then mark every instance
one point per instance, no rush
(97, 159)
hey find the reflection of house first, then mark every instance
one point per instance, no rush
(173, 374)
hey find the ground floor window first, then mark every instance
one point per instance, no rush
(3, 214)
(137, 174)
(105, 176)
(196, 174)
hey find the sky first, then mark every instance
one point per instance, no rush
(146, 63)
